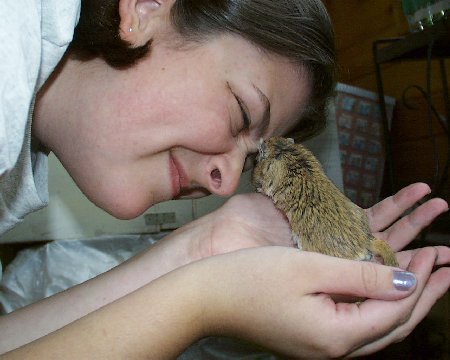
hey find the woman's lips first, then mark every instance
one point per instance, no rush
(178, 176)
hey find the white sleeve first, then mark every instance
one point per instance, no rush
(20, 51)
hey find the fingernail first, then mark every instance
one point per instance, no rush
(404, 280)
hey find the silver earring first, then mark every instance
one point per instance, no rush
(130, 29)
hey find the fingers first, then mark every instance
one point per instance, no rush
(376, 324)
(361, 279)
(436, 287)
(443, 256)
(407, 228)
(382, 214)
(393, 321)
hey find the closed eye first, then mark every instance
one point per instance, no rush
(246, 121)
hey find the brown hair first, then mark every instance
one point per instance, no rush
(299, 30)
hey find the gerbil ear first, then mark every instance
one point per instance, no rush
(141, 20)
(291, 140)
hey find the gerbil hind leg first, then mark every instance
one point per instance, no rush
(367, 257)
(382, 249)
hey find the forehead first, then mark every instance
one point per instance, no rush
(290, 91)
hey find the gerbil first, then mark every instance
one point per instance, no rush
(322, 219)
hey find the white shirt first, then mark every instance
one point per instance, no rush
(34, 34)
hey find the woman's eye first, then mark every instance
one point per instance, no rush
(244, 111)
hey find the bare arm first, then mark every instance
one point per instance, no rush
(199, 239)
(36, 320)
(157, 321)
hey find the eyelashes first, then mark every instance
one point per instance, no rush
(246, 122)
(246, 119)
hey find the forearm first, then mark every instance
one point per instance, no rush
(48, 315)
(156, 321)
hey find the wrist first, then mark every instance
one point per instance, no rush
(191, 242)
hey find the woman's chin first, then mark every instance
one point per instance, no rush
(127, 208)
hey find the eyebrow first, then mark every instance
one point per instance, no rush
(265, 122)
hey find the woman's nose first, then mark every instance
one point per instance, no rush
(225, 171)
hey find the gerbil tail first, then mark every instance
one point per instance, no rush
(382, 249)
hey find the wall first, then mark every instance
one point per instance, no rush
(358, 23)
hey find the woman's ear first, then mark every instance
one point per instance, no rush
(140, 20)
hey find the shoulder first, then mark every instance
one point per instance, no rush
(34, 34)
(20, 53)
(59, 19)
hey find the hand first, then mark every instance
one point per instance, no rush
(392, 320)
(398, 233)
(278, 297)
(245, 221)
(251, 220)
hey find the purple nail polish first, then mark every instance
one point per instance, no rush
(404, 280)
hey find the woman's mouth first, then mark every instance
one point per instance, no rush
(177, 175)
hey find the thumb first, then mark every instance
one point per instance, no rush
(363, 279)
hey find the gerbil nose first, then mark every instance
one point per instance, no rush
(225, 171)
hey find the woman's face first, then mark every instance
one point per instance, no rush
(181, 123)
